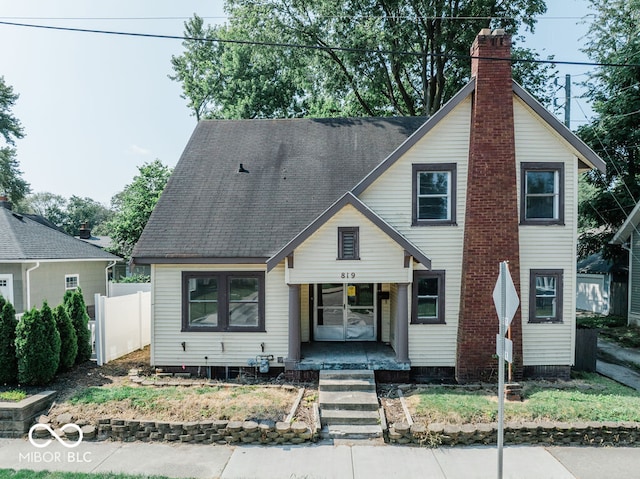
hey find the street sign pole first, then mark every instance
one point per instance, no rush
(501, 319)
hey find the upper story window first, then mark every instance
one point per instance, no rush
(434, 194)
(223, 301)
(542, 193)
(428, 297)
(348, 243)
(545, 295)
(71, 281)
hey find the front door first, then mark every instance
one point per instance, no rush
(6, 287)
(345, 312)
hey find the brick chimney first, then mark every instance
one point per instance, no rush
(491, 216)
(5, 203)
(84, 232)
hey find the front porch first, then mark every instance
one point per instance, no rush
(323, 355)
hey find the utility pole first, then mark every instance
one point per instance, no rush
(567, 101)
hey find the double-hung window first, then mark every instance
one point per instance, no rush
(428, 297)
(542, 193)
(222, 301)
(545, 296)
(434, 194)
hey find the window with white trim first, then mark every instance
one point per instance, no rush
(71, 281)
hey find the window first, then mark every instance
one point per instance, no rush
(428, 297)
(545, 296)
(348, 243)
(71, 281)
(228, 301)
(542, 193)
(434, 194)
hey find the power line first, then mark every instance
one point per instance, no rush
(312, 47)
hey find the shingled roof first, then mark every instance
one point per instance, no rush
(294, 170)
(23, 239)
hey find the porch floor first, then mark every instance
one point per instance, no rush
(319, 355)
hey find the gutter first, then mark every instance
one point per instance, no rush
(106, 277)
(29, 284)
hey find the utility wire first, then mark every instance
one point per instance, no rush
(312, 47)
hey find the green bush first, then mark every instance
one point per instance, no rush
(76, 309)
(136, 278)
(37, 347)
(68, 338)
(8, 361)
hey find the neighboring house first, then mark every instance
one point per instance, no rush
(40, 263)
(629, 237)
(601, 286)
(276, 239)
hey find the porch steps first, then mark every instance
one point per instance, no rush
(349, 406)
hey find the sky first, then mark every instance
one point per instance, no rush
(95, 107)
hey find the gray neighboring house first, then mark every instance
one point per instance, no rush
(629, 237)
(39, 263)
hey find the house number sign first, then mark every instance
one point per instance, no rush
(347, 275)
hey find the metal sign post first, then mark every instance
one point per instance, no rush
(505, 299)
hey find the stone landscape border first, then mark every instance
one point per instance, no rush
(17, 417)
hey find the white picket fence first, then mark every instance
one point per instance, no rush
(122, 325)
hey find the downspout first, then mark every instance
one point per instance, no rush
(29, 284)
(106, 277)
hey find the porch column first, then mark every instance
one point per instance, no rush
(294, 323)
(402, 324)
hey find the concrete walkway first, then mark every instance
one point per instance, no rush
(618, 369)
(347, 461)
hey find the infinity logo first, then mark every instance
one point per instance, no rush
(75, 427)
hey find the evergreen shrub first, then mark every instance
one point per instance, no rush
(8, 360)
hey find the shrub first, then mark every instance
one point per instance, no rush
(76, 309)
(8, 361)
(68, 338)
(37, 347)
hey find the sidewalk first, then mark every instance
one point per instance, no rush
(358, 461)
(623, 356)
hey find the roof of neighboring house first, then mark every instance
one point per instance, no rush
(22, 238)
(297, 168)
(101, 242)
(629, 226)
(596, 264)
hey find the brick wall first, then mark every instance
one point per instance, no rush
(491, 216)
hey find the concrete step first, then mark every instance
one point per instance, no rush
(350, 417)
(349, 400)
(341, 431)
(346, 374)
(357, 384)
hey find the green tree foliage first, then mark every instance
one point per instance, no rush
(613, 133)
(8, 361)
(11, 182)
(37, 347)
(134, 205)
(365, 58)
(74, 304)
(68, 338)
(68, 214)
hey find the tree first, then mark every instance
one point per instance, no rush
(613, 133)
(37, 347)
(68, 338)
(11, 182)
(76, 309)
(364, 58)
(8, 361)
(134, 205)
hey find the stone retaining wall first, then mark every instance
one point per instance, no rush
(17, 417)
(558, 434)
(205, 432)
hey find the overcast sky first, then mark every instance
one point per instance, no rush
(95, 107)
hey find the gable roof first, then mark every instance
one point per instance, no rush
(23, 239)
(349, 199)
(210, 212)
(629, 226)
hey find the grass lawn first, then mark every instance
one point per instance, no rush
(22, 474)
(588, 398)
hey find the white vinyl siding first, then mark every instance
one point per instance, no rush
(390, 196)
(547, 246)
(634, 280)
(220, 348)
(316, 260)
